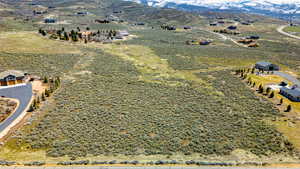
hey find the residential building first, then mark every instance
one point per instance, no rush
(12, 77)
(266, 66)
(292, 93)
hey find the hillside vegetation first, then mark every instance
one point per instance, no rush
(148, 97)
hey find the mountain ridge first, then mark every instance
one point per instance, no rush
(279, 8)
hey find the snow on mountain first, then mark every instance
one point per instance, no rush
(258, 6)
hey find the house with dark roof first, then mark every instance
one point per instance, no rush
(253, 37)
(205, 42)
(49, 20)
(82, 13)
(292, 93)
(232, 27)
(187, 27)
(11, 77)
(266, 66)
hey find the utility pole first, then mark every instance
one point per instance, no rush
(292, 15)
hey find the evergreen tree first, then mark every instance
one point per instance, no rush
(59, 33)
(260, 89)
(31, 108)
(66, 36)
(289, 108)
(281, 101)
(254, 84)
(35, 104)
(43, 97)
(271, 95)
(47, 93)
(45, 80)
(253, 70)
(268, 90)
(38, 101)
(44, 33)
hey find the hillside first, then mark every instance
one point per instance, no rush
(148, 97)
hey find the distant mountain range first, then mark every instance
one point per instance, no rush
(278, 8)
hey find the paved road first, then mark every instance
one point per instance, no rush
(21, 93)
(288, 77)
(280, 30)
(148, 167)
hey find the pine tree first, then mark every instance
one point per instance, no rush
(59, 33)
(47, 93)
(289, 108)
(66, 36)
(268, 90)
(254, 84)
(31, 108)
(38, 100)
(250, 80)
(43, 97)
(44, 33)
(45, 79)
(35, 104)
(281, 101)
(253, 70)
(58, 79)
(271, 95)
(260, 89)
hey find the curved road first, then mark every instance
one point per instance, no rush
(288, 77)
(23, 93)
(280, 30)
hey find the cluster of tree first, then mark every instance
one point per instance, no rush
(76, 35)
(267, 92)
(249, 41)
(53, 83)
(225, 31)
(168, 27)
(42, 32)
(251, 70)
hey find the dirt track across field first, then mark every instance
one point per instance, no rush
(280, 30)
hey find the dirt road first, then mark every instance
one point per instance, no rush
(280, 30)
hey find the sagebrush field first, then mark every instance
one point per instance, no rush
(152, 95)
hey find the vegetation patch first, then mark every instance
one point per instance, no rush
(29, 42)
(7, 107)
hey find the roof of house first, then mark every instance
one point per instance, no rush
(11, 72)
(263, 63)
(295, 92)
